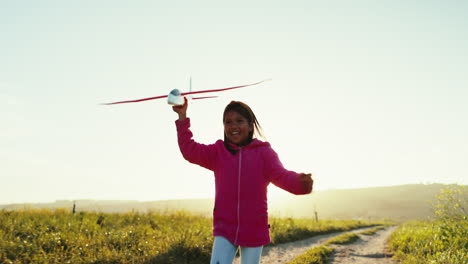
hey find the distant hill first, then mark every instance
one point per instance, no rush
(399, 203)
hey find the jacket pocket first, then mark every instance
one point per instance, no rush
(262, 221)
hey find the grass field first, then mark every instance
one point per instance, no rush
(431, 242)
(443, 240)
(58, 236)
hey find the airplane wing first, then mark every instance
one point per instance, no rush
(188, 93)
(138, 100)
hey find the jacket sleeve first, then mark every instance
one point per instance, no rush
(194, 152)
(279, 176)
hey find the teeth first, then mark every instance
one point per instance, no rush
(235, 133)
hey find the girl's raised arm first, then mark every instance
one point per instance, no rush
(192, 151)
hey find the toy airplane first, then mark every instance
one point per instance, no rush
(175, 97)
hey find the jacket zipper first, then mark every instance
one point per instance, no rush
(238, 194)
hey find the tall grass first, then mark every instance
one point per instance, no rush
(343, 239)
(58, 236)
(444, 240)
(316, 255)
(44, 236)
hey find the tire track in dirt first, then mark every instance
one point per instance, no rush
(369, 249)
(283, 253)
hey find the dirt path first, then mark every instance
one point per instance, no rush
(286, 252)
(367, 250)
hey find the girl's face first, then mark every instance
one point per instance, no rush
(236, 128)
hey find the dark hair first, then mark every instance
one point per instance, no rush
(245, 111)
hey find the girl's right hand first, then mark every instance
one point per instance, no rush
(181, 110)
(306, 181)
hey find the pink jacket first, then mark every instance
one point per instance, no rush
(240, 212)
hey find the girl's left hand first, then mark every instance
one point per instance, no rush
(181, 110)
(306, 180)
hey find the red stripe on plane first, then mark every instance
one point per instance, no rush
(204, 97)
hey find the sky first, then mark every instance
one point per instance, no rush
(362, 93)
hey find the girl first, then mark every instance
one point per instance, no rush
(243, 167)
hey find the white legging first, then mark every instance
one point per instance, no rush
(224, 252)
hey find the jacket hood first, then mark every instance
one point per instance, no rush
(254, 144)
